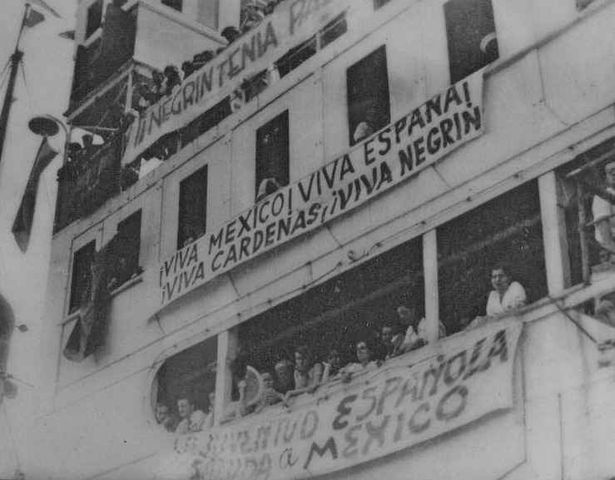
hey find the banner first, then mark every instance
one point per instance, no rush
(387, 410)
(290, 24)
(392, 155)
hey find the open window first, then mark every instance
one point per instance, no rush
(581, 4)
(94, 18)
(192, 221)
(127, 249)
(587, 195)
(336, 314)
(506, 230)
(472, 41)
(81, 277)
(187, 377)
(174, 4)
(380, 3)
(368, 96)
(272, 155)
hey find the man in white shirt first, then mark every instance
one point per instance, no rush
(416, 334)
(192, 420)
(604, 211)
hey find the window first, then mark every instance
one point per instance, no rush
(305, 50)
(81, 275)
(472, 42)
(272, 155)
(94, 19)
(206, 121)
(581, 4)
(187, 376)
(585, 197)
(192, 207)
(333, 30)
(380, 3)
(368, 95)
(335, 315)
(174, 4)
(296, 56)
(127, 248)
(507, 229)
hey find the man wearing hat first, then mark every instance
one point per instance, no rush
(604, 211)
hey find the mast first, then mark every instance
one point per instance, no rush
(15, 60)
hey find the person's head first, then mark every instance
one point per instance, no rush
(162, 412)
(334, 358)
(407, 315)
(386, 333)
(500, 277)
(157, 77)
(609, 171)
(185, 407)
(88, 140)
(267, 378)
(364, 352)
(230, 34)
(283, 371)
(303, 359)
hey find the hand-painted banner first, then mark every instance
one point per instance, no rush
(387, 158)
(291, 23)
(385, 411)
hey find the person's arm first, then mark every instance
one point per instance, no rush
(604, 229)
(313, 384)
(518, 296)
(602, 211)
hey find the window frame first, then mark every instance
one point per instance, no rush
(467, 55)
(194, 175)
(264, 166)
(359, 105)
(177, 5)
(75, 296)
(94, 16)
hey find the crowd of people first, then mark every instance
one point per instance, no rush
(305, 374)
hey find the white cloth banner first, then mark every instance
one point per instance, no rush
(387, 158)
(290, 24)
(395, 407)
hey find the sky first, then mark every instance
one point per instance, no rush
(23, 277)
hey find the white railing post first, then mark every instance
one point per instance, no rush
(430, 268)
(554, 235)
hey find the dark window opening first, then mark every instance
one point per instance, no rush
(339, 312)
(255, 85)
(94, 19)
(296, 56)
(472, 42)
(507, 229)
(380, 3)
(368, 96)
(581, 4)
(81, 275)
(206, 121)
(188, 375)
(272, 155)
(174, 4)
(587, 196)
(192, 207)
(127, 243)
(333, 30)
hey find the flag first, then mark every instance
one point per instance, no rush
(42, 4)
(90, 330)
(22, 226)
(33, 18)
